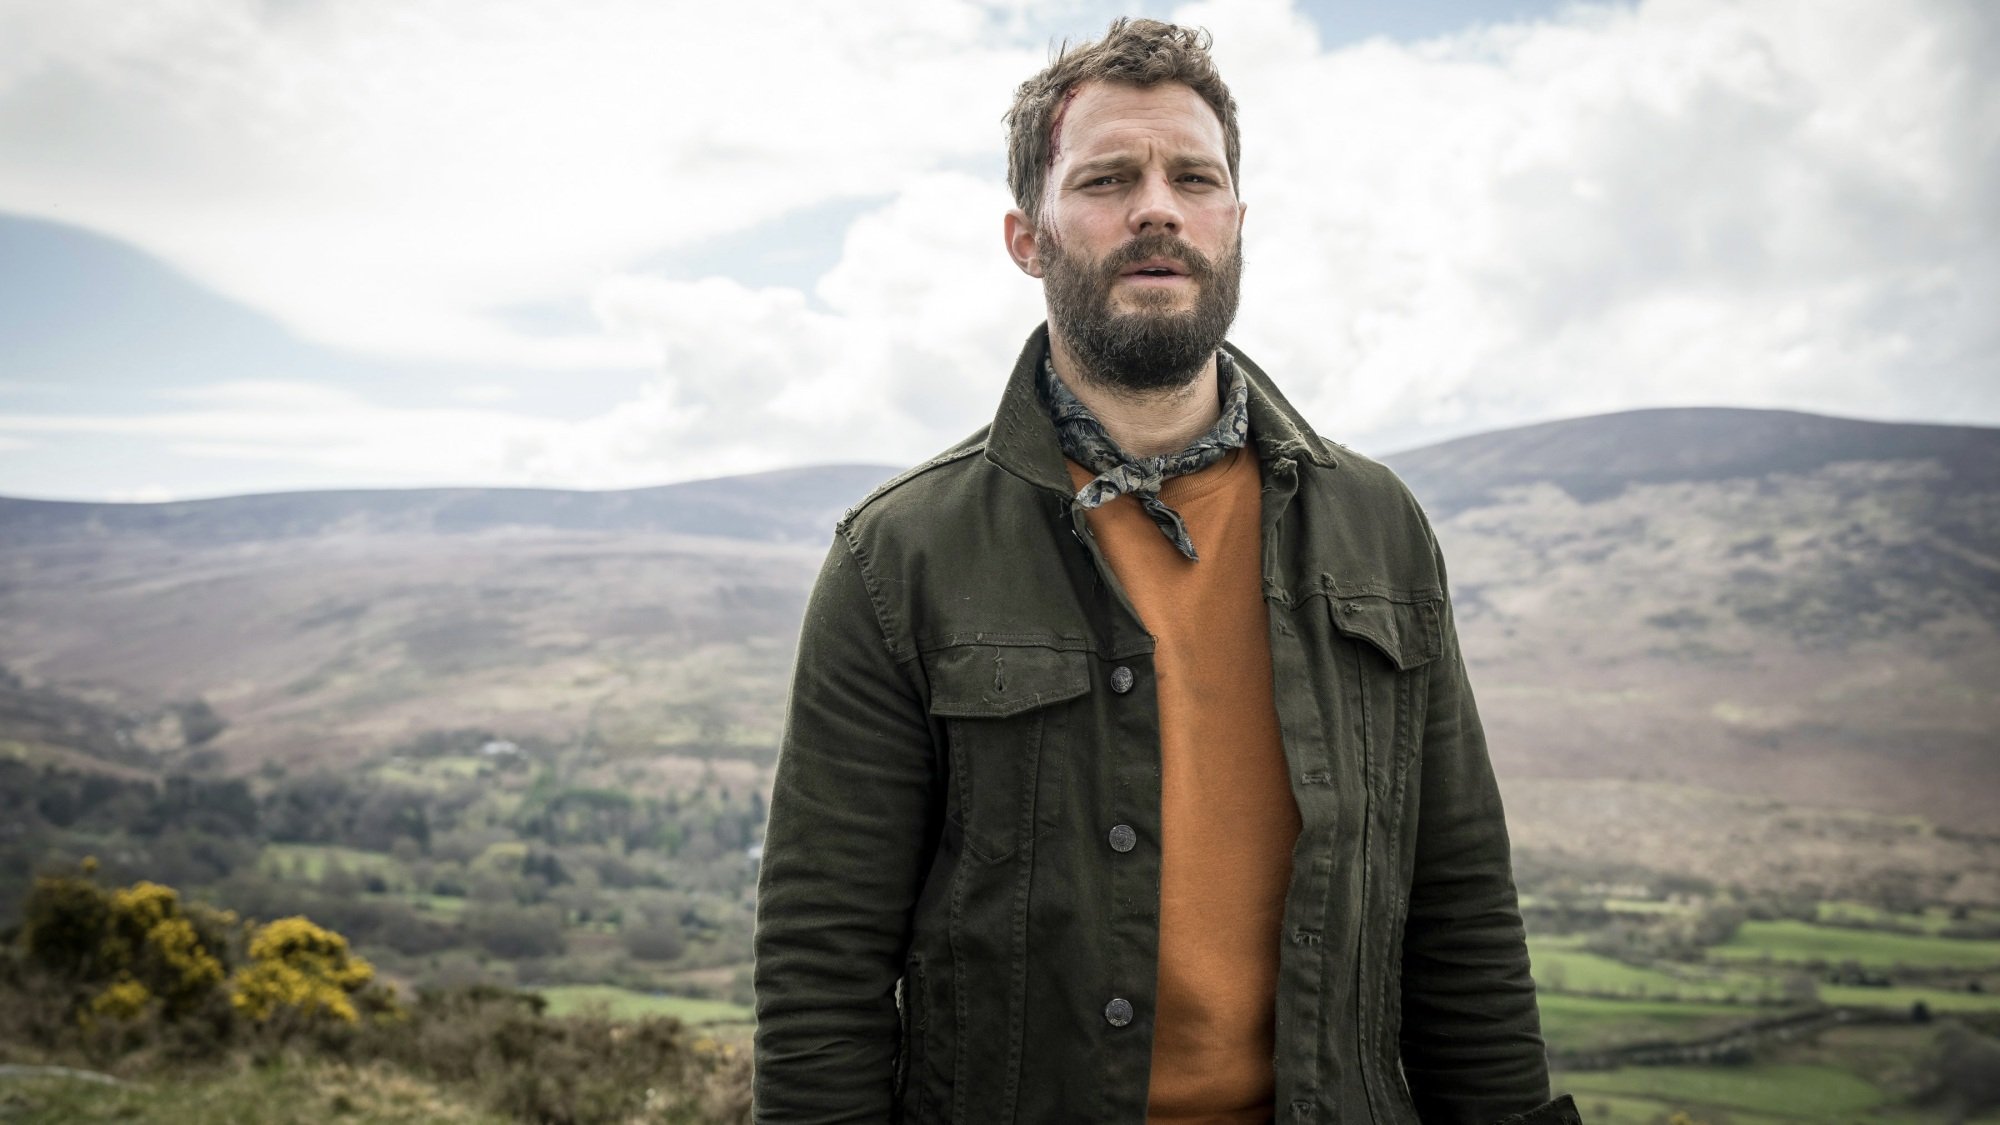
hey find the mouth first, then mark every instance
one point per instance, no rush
(1156, 268)
(1155, 273)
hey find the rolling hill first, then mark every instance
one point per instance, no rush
(1788, 609)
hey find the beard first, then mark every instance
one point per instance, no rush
(1152, 347)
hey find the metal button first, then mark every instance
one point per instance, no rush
(1118, 1013)
(1123, 838)
(1121, 679)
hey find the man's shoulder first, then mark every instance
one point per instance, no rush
(1367, 521)
(1353, 477)
(921, 491)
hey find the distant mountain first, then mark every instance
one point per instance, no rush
(788, 504)
(1764, 602)
(1598, 456)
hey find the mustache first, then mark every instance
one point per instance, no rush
(1160, 245)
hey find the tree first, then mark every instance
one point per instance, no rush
(515, 931)
(199, 722)
(1961, 1070)
(655, 939)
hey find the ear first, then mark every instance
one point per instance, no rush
(1023, 242)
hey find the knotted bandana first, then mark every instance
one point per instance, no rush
(1085, 442)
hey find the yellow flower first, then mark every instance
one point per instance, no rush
(300, 966)
(123, 999)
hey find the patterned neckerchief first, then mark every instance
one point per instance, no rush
(1119, 473)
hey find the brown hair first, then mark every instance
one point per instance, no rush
(1138, 52)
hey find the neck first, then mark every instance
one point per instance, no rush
(1149, 423)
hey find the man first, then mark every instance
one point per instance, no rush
(1131, 773)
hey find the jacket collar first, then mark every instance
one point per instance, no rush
(1023, 440)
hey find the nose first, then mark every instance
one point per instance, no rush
(1155, 208)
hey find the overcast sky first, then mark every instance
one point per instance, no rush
(249, 246)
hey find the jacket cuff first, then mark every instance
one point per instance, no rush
(1559, 1111)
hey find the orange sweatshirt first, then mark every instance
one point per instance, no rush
(1227, 816)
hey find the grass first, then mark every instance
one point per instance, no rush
(1933, 920)
(1793, 942)
(314, 859)
(1560, 967)
(625, 1004)
(1645, 906)
(444, 906)
(303, 1092)
(1578, 1022)
(1936, 999)
(1616, 1109)
(432, 773)
(1782, 1091)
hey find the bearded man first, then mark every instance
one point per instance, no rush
(1131, 774)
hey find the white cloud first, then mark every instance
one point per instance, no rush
(385, 174)
(912, 336)
(144, 494)
(1693, 201)
(484, 393)
(1690, 201)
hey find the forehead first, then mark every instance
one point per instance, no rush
(1105, 118)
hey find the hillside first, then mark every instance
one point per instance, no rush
(1795, 607)
(1749, 601)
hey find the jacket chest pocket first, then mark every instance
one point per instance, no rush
(1386, 646)
(996, 703)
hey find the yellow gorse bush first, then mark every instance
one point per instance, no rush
(141, 949)
(152, 945)
(297, 965)
(125, 999)
(150, 918)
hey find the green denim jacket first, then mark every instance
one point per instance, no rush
(945, 932)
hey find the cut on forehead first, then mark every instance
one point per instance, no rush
(1056, 126)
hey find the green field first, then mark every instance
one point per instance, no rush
(313, 860)
(1934, 920)
(1779, 1092)
(1936, 999)
(432, 773)
(1559, 967)
(1599, 1108)
(1645, 906)
(1791, 942)
(623, 1003)
(1581, 1022)
(444, 906)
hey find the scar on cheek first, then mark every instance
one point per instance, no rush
(1055, 127)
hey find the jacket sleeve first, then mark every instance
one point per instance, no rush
(1471, 1034)
(850, 824)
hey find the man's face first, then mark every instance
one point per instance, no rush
(1139, 240)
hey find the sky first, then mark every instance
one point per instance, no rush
(262, 245)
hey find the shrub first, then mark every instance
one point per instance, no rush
(300, 968)
(153, 940)
(63, 926)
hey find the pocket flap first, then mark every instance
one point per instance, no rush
(972, 681)
(1410, 634)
